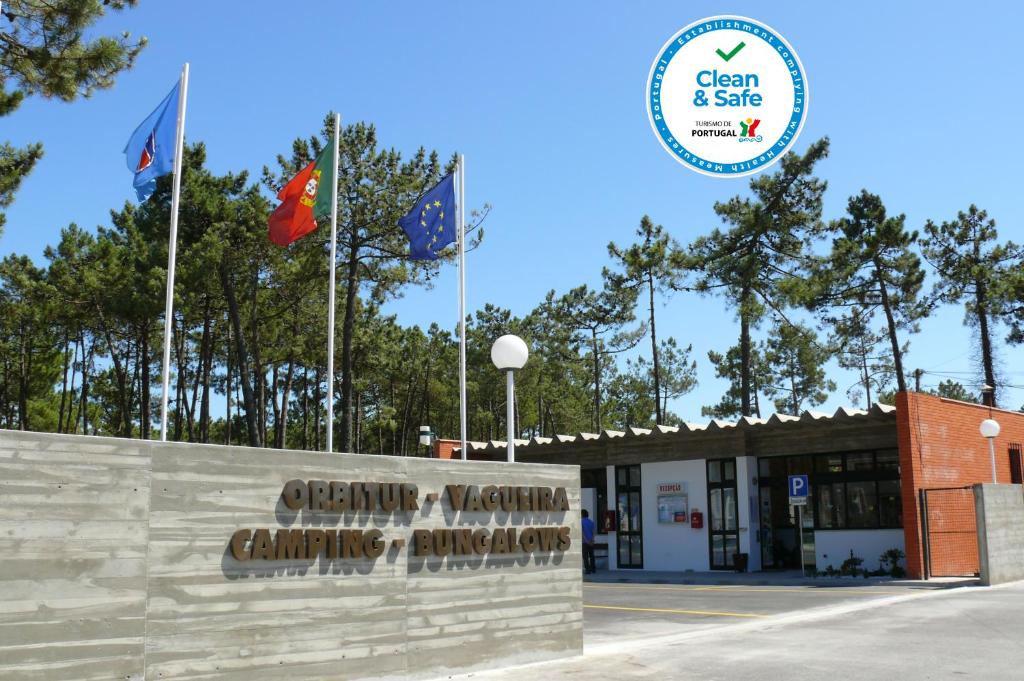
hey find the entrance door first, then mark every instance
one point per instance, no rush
(780, 533)
(630, 529)
(723, 513)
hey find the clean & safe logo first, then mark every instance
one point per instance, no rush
(727, 96)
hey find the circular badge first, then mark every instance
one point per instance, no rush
(727, 96)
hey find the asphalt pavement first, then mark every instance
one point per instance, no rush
(636, 612)
(793, 632)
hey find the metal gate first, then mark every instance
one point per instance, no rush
(950, 532)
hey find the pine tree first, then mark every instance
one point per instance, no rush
(764, 250)
(728, 366)
(872, 266)
(973, 267)
(654, 264)
(599, 321)
(45, 52)
(860, 348)
(796, 363)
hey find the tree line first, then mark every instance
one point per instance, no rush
(80, 334)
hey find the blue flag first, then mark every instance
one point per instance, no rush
(150, 150)
(430, 225)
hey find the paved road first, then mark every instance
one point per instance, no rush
(618, 612)
(800, 633)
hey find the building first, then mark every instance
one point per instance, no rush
(695, 496)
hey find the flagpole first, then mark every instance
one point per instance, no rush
(172, 247)
(330, 291)
(462, 303)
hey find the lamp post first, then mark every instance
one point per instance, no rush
(426, 438)
(989, 430)
(508, 354)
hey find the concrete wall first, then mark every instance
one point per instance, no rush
(832, 547)
(1000, 514)
(116, 565)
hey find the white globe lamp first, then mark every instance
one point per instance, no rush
(989, 428)
(508, 354)
(990, 431)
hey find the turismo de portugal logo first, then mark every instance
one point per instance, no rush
(727, 96)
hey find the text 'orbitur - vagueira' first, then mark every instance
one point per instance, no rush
(323, 497)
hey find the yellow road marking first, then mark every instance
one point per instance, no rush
(740, 589)
(674, 612)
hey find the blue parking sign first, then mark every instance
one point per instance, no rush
(798, 486)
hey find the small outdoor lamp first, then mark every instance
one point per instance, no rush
(508, 354)
(990, 430)
(426, 437)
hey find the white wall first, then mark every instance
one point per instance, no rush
(832, 547)
(675, 546)
(588, 502)
(746, 499)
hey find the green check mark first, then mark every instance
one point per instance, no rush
(730, 55)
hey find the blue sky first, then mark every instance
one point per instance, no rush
(546, 100)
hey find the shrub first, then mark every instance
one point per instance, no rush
(890, 562)
(851, 566)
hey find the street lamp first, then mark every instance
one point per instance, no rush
(426, 437)
(508, 354)
(989, 430)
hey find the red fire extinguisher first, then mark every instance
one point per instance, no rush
(696, 519)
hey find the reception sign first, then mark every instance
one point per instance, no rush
(673, 503)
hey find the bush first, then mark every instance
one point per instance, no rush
(851, 566)
(890, 562)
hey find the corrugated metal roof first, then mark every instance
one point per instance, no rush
(743, 423)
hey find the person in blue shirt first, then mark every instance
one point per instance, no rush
(588, 543)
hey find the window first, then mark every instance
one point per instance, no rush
(829, 463)
(888, 460)
(1016, 464)
(861, 504)
(849, 490)
(629, 537)
(799, 465)
(831, 505)
(714, 471)
(723, 512)
(730, 470)
(861, 461)
(890, 504)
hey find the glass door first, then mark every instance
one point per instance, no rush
(723, 513)
(780, 533)
(629, 535)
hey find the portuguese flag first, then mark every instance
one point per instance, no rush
(307, 196)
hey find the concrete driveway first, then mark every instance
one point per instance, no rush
(873, 632)
(614, 613)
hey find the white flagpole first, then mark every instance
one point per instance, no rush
(330, 291)
(462, 302)
(172, 247)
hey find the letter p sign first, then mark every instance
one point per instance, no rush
(798, 489)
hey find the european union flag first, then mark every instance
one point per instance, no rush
(430, 225)
(150, 150)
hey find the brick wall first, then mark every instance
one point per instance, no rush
(447, 449)
(940, 446)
